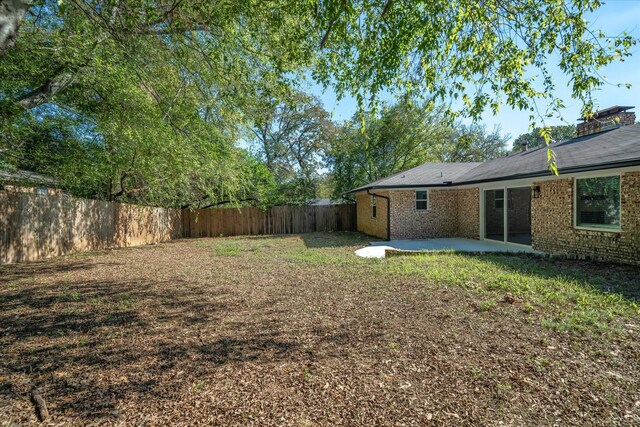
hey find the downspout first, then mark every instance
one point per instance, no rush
(388, 211)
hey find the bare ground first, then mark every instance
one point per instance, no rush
(298, 331)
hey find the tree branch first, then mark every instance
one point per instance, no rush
(48, 90)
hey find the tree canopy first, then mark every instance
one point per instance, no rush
(147, 101)
(402, 136)
(153, 97)
(535, 139)
(290, 134)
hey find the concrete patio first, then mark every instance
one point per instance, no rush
(377, 249)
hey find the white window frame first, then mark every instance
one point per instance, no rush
(595, 227)
(374, 207)
(416, 200)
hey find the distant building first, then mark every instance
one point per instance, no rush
(28, 182)
(323, 202)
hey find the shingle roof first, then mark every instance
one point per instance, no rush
(427, 174)
(323, 202)
(608, 149)
(611, 147)
(26, 176)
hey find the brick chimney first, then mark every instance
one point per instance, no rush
(608, 118)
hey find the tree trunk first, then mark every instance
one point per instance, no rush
(11, 16)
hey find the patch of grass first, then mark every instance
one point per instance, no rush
(228, 249)
(528, 308)
(394, 347)
(570, 299)
(486, 305)
(70, 296)
(538, 363)
(117, 303)
(124, 302)
(313, 257)
(502, 390)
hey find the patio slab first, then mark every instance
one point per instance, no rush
(377, 249)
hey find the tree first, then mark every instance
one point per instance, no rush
(535, 139)
(473, 144)
(402, 136)
(178, 68)
(478, 52)
(393, 139)
(153, 99)
(482, 53)
(290, 136)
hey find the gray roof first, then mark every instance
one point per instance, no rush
(612, 148)
(428, 174)
(323, 202)
(596, 151)
(25, 176)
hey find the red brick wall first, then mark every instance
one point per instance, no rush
(468, 213)
(553, 231)
(452, 213)
(366, 224)
(596, 125)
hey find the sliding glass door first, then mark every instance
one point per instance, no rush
(507, 215)
(494, 214)
(519, 215)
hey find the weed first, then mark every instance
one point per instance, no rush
(475, 371)
(538, 363)
(486, 305)
(502, 390)
(528, 308)
(70, 296)
(228, 249)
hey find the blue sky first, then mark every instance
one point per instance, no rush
(614, 17)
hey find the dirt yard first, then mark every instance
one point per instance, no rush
(298, 331)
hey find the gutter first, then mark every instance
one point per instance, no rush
(388, 211)
(344, 197)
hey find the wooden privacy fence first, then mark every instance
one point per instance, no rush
(34, 227)
(276, 220)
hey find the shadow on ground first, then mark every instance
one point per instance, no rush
(334, 240)
(607, 278)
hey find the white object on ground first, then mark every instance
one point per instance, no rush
(372, 251)
(376, 249)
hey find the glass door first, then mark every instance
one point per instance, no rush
(519, 215)
(507, 215)
(494, 215)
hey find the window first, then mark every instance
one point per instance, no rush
(422, 200)
(41, 191)
(498, 201)
(373, 207)
(598, 202)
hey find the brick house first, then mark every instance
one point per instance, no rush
(591, 210)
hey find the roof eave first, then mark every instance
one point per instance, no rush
(537, 174)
